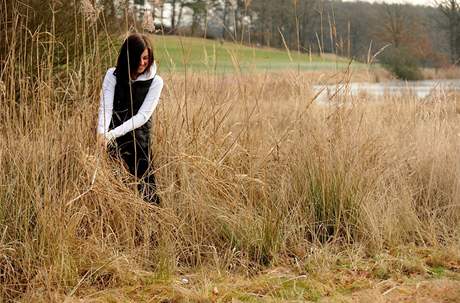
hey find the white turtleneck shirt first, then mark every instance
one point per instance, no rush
(141, 117)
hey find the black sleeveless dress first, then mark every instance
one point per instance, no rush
(134, 147)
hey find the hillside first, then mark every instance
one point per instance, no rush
(175, 52)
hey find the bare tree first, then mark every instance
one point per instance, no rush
(451, 23)
(394, 24)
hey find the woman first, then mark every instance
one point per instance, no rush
(130, 93)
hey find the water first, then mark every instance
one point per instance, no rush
(418, 89)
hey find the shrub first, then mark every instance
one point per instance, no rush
(401, 63)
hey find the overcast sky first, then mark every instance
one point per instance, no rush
(424, 2)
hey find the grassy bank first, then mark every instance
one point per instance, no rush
(201, 54)
(253, 177)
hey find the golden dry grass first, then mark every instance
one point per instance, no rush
(451, 72)
(252, 173)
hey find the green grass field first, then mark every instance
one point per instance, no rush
(174, 53)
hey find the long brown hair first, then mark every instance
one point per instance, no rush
(130, 55)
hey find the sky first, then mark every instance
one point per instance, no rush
(415, 2)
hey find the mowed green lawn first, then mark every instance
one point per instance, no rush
(175, 53)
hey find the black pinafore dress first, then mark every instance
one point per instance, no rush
(134, 147)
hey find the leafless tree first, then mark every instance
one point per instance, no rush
(451, 23)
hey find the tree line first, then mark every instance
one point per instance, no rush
(356, 30)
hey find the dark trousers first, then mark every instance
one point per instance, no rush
(137, 159)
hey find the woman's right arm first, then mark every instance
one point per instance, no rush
(106, 103)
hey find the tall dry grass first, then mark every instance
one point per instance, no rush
(251, 172)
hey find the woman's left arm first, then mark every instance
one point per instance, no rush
(144, 113)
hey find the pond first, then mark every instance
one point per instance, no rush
(419, 89)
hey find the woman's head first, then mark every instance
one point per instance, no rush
(135, 57)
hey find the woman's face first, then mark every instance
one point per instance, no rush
(144, 61)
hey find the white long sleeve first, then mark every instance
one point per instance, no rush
(106, 102)
(140, 118)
